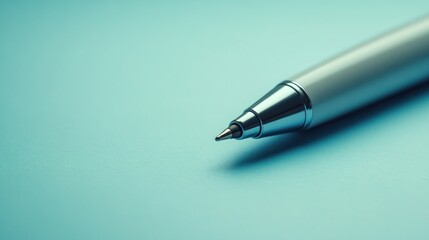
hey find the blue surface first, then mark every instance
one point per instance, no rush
(108, 114)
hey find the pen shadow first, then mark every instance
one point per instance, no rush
(286, 143)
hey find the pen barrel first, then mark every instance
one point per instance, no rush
(368, 72)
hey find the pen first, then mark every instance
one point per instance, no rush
(358, 77)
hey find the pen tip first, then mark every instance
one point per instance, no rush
(225, 134)
(232, 131)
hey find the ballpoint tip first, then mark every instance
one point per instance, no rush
(233, 131)
(225, 134)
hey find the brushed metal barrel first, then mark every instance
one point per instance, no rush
(367, 73)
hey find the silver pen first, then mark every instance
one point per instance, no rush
(358, 77)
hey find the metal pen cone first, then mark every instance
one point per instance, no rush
(230, 132)
(225, 134)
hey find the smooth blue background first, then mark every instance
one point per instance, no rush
(108, 112)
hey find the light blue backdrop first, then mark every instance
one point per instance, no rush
(108, 113)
